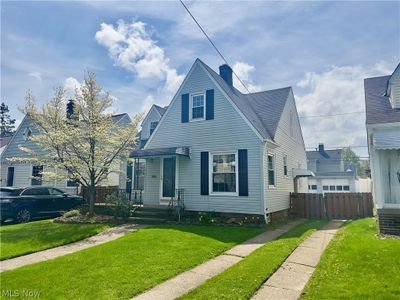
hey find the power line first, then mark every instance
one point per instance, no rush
(215, 47)
(224, 59)
(334, 115)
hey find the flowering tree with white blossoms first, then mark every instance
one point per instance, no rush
(85, 146)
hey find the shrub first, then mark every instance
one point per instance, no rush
(72, 213)
(120, 205)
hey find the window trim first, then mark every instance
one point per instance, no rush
(285, 164)
(27, 134)
(211, 172)
(40, 181)
(273, 155)
(203, 93)
(150, 129)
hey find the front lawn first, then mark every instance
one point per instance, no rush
(20, 239)
(242, 280)
(128, 266)
(357, 265)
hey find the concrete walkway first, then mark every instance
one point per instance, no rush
(98, 239)
(288, 282)
(186, 281)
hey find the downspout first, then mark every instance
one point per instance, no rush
(262, 174)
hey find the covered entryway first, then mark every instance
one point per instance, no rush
(161, 182)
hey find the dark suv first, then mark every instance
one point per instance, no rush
(23, 204)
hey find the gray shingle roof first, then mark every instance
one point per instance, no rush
(161, 110)
(377, 104)
(117, 118)
(332, 154)
(263, 109)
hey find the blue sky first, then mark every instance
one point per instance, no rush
(322, 49)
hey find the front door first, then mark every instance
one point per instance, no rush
(168, 177)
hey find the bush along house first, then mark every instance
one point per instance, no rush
(382, 103)
(223, 150)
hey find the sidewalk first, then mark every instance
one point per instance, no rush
(288, 282)
(98, 239)
(186, 281)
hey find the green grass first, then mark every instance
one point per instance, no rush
(128, 266)
(20, 239)
(357, 265)
(242, 280)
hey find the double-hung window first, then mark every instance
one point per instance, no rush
(198, 107)
(224, 173)
(37, 175)
(271, 170)
(153, 126)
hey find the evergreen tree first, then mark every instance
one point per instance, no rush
(7, 124)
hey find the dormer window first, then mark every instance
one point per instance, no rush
(153, 126)
(27, 134)
(197, 109)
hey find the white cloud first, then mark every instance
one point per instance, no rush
(147, 103)
(36, 75)
(132, 48)
(335, 91)
(71, 84)
(244, 70)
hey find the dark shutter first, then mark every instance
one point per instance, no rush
(204, 173)
(129, 175)
(243, 173)
(185, 108)
(209, 104)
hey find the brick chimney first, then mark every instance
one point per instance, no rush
(225, 72)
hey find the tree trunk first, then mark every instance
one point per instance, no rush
(92, 199)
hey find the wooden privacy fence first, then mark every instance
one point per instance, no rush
(331, 205)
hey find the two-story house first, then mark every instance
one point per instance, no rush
(229, 152)
(25, 174)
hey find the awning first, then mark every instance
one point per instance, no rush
(172, 151)
(302, 173)
(386, 140)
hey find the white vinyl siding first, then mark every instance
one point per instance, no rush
(152, 116)
(213, 136)
(277, 198)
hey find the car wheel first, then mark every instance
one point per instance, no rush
(23, 215)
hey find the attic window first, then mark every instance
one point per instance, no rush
(153, 126)
(27, 134)
(197, 109)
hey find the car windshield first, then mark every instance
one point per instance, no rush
(9, 192)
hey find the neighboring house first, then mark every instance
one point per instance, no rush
(229, 152)
(150, 122)
(3, 143)
(382, 102)
(330, 173)
(20, 174)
